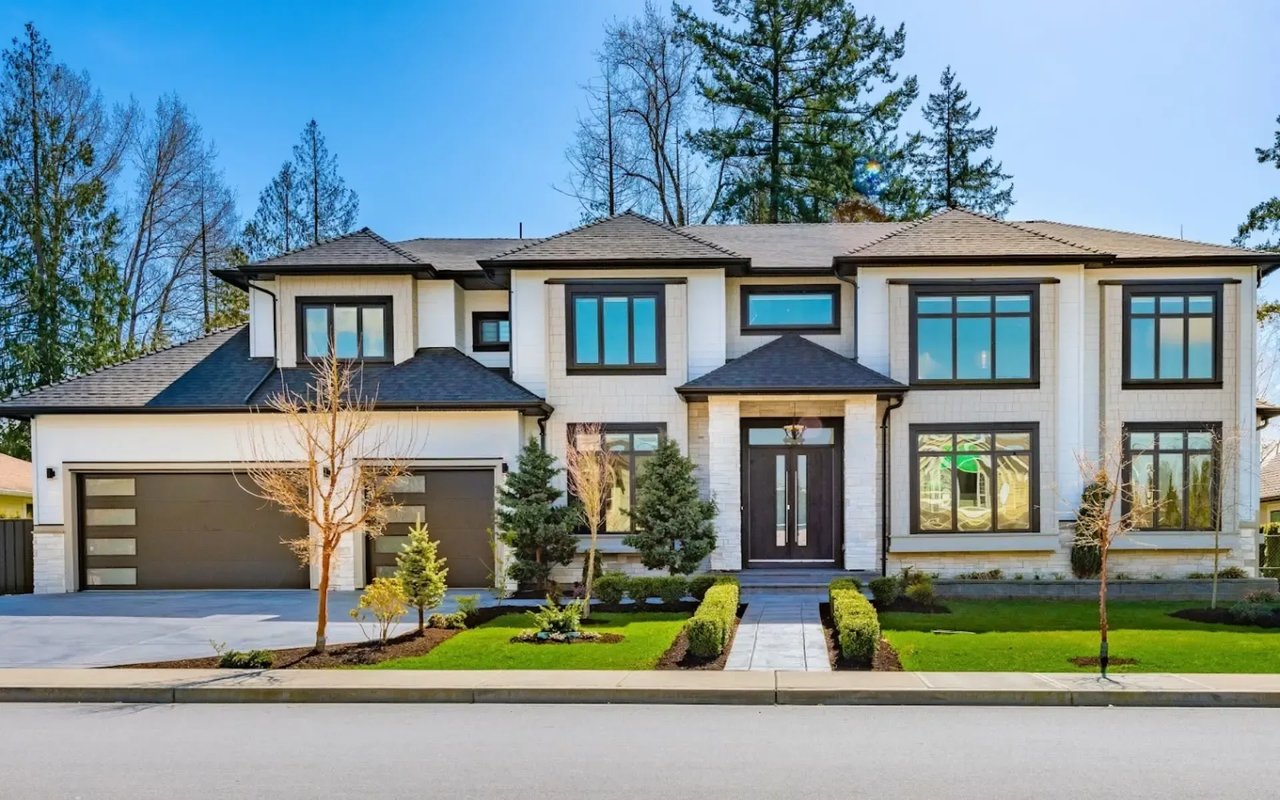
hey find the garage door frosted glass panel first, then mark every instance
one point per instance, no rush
(111, 576)
(111, 547)
(409, 514)
(390, 544)
(114, 517)
(409, 484)
(109, 487)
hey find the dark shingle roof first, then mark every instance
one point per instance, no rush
(626, 237)
(459, 255)
(362, 248)
(795, 245)
(215, 372)
(791, 363)
(1132, 245)
(1270, 488)
(963, 235)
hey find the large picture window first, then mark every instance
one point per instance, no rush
(350, 328)
(974, 479)
(1171, 476)
(1172, 334)
(630, 446)
(984, 336)
(790, 309)
(615, 328)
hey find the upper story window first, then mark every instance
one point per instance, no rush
(352, 328)
(790, 309)
(1172, 335)
(615, 328)
(974, 478)
(975, 336)
(1171, 473)
(490, 330)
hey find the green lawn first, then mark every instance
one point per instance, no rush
(1040, 636)
(647, 636)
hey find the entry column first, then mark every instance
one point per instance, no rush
(861, 507)
(724, 437)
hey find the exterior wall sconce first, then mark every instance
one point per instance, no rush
(50, 473)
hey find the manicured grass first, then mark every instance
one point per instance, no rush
(647, 635)
(1040, 636)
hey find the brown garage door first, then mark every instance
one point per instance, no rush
(183, 531)
(457, 505)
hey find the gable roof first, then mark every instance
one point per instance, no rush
(791, 364)
(358, 248)
(794, 245)
(15, 476)
(623, 239)
(960, 236)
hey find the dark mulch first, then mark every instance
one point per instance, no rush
(885, 660)
(602, 638)
(1092, 661)
(1223, 615)
(678, 657)
(912, 607)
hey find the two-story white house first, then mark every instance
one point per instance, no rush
(856, 396)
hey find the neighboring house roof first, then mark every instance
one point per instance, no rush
(962, 236)
(796, 245)
(791, 364)
(1134, 246)
(1270, 489)
(15, 476)
(627, 238)
(215, 373)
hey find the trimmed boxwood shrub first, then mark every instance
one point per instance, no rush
(856, 625)
(672, 588)
(610, 587)
(699, 584)
(708, 628)
(845, 583)
(886, 590)
(641, 587)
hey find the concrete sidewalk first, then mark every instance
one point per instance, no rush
(550, 686)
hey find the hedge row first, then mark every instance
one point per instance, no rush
(708, 629)
(611, 587)
(857, 627)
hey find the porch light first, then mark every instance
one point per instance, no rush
(793, 433)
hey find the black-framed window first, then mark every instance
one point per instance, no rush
(350, 327)
(790, 309)
(975, 478)
(975, 336)
(490, 330)
(616, 328)
(1171, 476)
(630, 445)
(1172, 335)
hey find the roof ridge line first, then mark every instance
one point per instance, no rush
(330, 240)
(678, 232)
(1242, 250)
(628, 213)
(942, 212)
(906, 226)
(390, 245)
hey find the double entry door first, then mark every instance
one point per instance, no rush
(792, 504)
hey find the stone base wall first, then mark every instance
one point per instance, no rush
(50, 556)
(1197, 590)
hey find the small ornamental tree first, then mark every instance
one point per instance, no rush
(536, 530)
(592, 476)
(421, 572)
(673, 524)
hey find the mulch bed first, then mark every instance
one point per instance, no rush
(600, 638)
(885, 660)
(677, 656)
(1223, 615)
(912, 607)
(1092, 661)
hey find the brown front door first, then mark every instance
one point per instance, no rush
(457, 507)
(792, 504)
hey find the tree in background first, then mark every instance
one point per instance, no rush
(533, 527)
(1264, 218)
(277, 226)
(61, 297)
(949, 172)
(329, 208)
(673, 529)
(592, 474)
(422, 572)
(811, 86)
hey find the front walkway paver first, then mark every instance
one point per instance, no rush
(780, 632)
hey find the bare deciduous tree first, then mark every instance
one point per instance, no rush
(343, 486)
(592, 473)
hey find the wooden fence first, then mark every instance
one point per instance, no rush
(16, 562)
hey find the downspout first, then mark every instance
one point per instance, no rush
(275, 338)
(894, 402)
(854, 283)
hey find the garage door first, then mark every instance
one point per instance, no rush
(183, 531)
(457, 505)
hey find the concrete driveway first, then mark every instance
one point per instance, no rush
(96, 629)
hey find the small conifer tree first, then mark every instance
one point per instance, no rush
(537, 531)
(421, 572)
(673, 524)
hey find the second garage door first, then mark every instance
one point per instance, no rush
(184, 531)
(457, 506)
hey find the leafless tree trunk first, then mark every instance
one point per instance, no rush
(592, 472)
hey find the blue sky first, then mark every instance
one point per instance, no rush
(450, 119)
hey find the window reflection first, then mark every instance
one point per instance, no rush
(971, 482)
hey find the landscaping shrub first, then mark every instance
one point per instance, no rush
(455, 621)
(552, 618)
(421, 571)
(385, 600)
(537, 530)
(886, 590)
(610, 587)
(846, 583)
(1232, 573)
(468, 604)
(641, 587)
(708, 629)
(699, 584)
(672, 588)
(1255, 606)
(243, 659)
(857, 627)
(1086, 552)
(922, 591)
(991, 575)
(673, 524)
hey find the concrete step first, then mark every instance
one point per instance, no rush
(794, 580)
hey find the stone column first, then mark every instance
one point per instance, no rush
(724, 436)
(861, 503)
(49, 544)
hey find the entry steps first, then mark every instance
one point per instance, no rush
(794, 580)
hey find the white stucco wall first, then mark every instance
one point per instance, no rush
(400, 288)
(473, 301)
(262, 309)
(436, 312)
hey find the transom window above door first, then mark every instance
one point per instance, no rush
(790, 309)
(1172, 335)
(975, 336)
(350, 328)
(615, 328)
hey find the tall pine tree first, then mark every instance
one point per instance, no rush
(673, 523)
(61, 297)
(1264, 218)
(949, 172)
(329, 207)
(806, 87)
(277, 226)
(537, 531)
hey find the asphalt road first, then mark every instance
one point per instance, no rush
(534, 752)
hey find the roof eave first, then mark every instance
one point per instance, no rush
(29, 412)
(1222, 259)
(593, 263)
(854, 260)
(701, 392)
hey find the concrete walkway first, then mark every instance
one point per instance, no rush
(780, 631)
